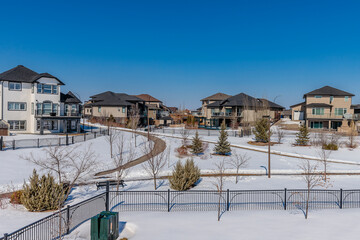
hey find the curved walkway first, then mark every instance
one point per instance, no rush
(159, 147)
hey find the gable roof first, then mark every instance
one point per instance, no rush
(302, 103)
(69, 98)
(114, 99)
(147, 98)
(24, 74)
(216, 97)
(241, 99)
(270, 103)
(327, 90)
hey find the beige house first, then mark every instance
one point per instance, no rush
(158, 113)
(325, 108)
(234, 111)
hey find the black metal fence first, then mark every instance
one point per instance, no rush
(194, 200)
(201, 132)
(46, 142)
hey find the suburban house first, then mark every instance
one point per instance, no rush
(31, 102)
(235, 110)
(158, 112)
(117, 105)
(326, 108)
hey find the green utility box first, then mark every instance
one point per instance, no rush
(105, 226)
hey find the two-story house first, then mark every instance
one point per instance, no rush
(30, 102)
(236, 110)
(117, 105)
(324, 108)
(158, 112)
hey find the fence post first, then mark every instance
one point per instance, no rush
(14, 144)
(285, 198)
(107, 196)
(67, 139)
(68, 219)
(84, 137)
(72, 139)
(341, 198)
(1, 143)
(168, 202)
(208, 132)
(59, 141)
(227, 200)
(38, 142)
(94, 134)
(5, 236)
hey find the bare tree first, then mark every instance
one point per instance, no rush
(155, 163)
(311, 178)
(324, 157)
(219, 183)
(121, 158)
(134, 117)
(279, 134)
(111, 138)
(238, 161)
(184, 135)
(352, 133)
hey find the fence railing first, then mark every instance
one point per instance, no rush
(201, 132)
(193, 200)
(46, 142)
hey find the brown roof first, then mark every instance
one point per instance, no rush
(302, 103)
(217, 97)
(147, 98)
(327, 90)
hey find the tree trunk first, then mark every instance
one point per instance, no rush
(307, 204)
(155, 182)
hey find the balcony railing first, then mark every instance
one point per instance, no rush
(225, 114)
(325, 116)
(41, 112)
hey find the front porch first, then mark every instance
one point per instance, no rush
(58, 124)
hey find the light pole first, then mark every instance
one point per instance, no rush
(269, 144)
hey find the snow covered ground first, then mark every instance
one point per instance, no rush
(272, 225)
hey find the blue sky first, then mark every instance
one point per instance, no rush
(182, 51)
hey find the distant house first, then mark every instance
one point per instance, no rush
(31, 102)
(236, 110)
(158, 112)
(326, 108)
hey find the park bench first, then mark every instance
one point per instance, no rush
(111, 183)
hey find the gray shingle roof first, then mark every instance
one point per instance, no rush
(24, 74)
(216, 97)
(114, 99)
(318, 105)
(330, 91)
(69, 98)
(241, 100)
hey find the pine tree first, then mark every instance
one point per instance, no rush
(261, 130)
(197, 145)
(223, 146)
(184, 177)
(302, 137)
(42, 194)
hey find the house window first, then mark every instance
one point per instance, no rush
(331, 99)
(123, 110)
(318, 96)
(47, 124)
(340, 111)
(17, 124)
(99, 109)
(16, 106)
(47, 88)
(346, 98)
(32, 88)
(318, 111)
(46, 108)
(14, 86)
(316, 125)
(32, 108)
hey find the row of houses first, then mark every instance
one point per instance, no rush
(32, 102)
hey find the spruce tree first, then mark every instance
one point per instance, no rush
(302, 137)
(223, 146)
(261, 130)
(197, 146)
(184, 177)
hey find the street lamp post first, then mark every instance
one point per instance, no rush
(269, 144)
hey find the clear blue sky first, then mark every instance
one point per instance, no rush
(182, 51)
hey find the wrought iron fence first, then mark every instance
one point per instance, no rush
(47, 142)
(201, 132)
(193, 200)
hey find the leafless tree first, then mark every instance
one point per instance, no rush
(279, 134)
(134, 117)
(121, 158)
(352, 133)
(237, 161)
(311, 178)
(111, 138)
(219, 183)
(184, 135)
(324, 158)
(155, 163)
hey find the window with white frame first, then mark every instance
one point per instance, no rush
(318, 111)
(340, 111)
(17, 125)
(47, 88)
(123, 109)
(46, 108)
(346, 98)
(48, 124)
(15, 86)
(16, 106)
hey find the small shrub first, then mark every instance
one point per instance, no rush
(184, 177)
(182, 151)
(16, 197)
(222, 146)
(302, 137)
(261, 130)
(330, 146)
(197, 145)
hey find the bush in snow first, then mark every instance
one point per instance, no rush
(222, 147)
(261, 130)
(42, 194)
(184, 177)
(16, 197)
(302, 137)
(197, 145)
